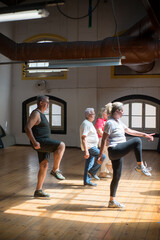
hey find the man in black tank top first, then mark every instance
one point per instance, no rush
(38, 131)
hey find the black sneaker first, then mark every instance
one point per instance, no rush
(57, 175)
(40, 193)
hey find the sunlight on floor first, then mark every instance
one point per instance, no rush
(87, 204)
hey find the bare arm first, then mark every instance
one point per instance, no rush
(84, 143)
(100, 132)
(103, 144)
(34, 119)
(139, 134)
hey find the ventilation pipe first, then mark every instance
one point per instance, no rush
(136, 50)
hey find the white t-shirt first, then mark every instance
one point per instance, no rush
(87, 128)
(116, 131)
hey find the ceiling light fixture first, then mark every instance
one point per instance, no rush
(95, 62)
(44, 69)
(26, 12)
(23, 15)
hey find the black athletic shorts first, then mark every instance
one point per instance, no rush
(47, 145)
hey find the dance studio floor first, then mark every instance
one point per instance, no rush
(75, 212)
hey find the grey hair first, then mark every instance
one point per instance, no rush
(41, 98)
(112, 107)
(100, 113)
(88, 111)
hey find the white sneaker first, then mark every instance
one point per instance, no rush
(104, 175)
(115, 204)
(109, 167)
(143, 170)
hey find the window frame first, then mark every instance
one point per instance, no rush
(54, 129)
(143, 128)
(144, 100)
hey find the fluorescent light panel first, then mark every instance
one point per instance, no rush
(43, 69)
(27, 11)
(47, 70)
(23, 15)
(96, 62)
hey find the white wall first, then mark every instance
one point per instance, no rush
(84, 87)
(5, 85)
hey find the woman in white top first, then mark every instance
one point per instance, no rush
(118, 147)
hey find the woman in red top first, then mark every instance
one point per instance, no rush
(99, 125)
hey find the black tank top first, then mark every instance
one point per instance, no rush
(42, 130)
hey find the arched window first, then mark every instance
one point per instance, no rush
(56, 113)
(39, 70)
(141, 113)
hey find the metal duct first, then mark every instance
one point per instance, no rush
(136, 50)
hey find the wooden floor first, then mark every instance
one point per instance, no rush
(74, 211)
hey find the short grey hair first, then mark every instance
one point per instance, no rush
(41, 98)
(88, 111)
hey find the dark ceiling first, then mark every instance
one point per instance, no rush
(12, 2)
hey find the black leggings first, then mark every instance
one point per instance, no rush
(116, 155)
